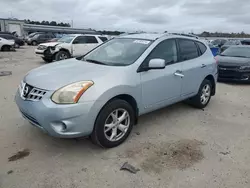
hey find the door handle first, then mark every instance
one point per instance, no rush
(178, 73)
(203, 66)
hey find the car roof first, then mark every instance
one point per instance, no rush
(149, 36)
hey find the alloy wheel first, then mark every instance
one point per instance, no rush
(116, 124)
(205, 94)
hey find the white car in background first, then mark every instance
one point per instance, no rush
(6, 45)
(69, 46)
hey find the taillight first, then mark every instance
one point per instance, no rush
(216, 59)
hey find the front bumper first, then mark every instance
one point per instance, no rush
(229, 75)
(44, 53)
(64, 121)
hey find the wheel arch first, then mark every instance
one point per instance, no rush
(129, 99)
(212, 80)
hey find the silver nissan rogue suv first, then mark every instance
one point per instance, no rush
(102, 93)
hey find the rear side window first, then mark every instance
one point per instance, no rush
(91, 39)
(188, 49)
(202, 47)
(103, 39)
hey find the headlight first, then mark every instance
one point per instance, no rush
(70, 94)
(245, 68)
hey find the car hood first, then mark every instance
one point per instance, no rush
(233, 61)
(56, 75)
(50, 43)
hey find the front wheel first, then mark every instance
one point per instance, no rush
(34, 43)
(61, 55)
(113, 124)
(203, 97)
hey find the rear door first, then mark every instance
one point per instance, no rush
(161, 87)
(191, 66)
(83, 44)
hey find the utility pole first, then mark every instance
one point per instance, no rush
(72, 23)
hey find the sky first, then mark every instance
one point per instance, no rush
(137, 15)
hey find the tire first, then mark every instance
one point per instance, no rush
(5, 48)
(203, 97)
(61, 55)
(47, 60)
(34, 43)
(105, 120)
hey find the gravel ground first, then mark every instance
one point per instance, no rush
(174, 147)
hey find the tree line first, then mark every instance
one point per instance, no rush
(51, 23)
(226, 35)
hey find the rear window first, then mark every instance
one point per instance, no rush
(103, 39)
(188, 49)
(202, 47)
(91, 39)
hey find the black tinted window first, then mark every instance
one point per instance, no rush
(91, 39)
(103, 39)
(188, 49)
(202, 47)
(80, 40)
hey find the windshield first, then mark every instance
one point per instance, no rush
(66, 39)
(118, 52)
(32, 35)
(237, 52)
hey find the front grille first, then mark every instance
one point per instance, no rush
(30, 118)
(31, 93)
(230, 68)
(36, 94)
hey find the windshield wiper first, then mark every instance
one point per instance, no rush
(95, 61)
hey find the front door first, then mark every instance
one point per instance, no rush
(162, 87)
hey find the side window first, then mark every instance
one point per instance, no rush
(165, 50)
(188, 49)
(91, 40)
(202, 47)
(103, 39)
(80, 40)
(41, 36)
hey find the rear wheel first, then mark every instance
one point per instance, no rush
(47, 60)
(203, 97)
(5, 48)
(61, 55)
(113, 124)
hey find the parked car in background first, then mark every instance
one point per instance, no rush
(32, 35)
(245, 42)
(18, 42)
(219, 42)
(230, 43)
(6, 45)
(234, 64)
(39, 38)
(68, 46)
(102, 93)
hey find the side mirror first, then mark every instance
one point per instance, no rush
(156, 64)
(75, 42)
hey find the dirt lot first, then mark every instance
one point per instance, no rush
(174, 147)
